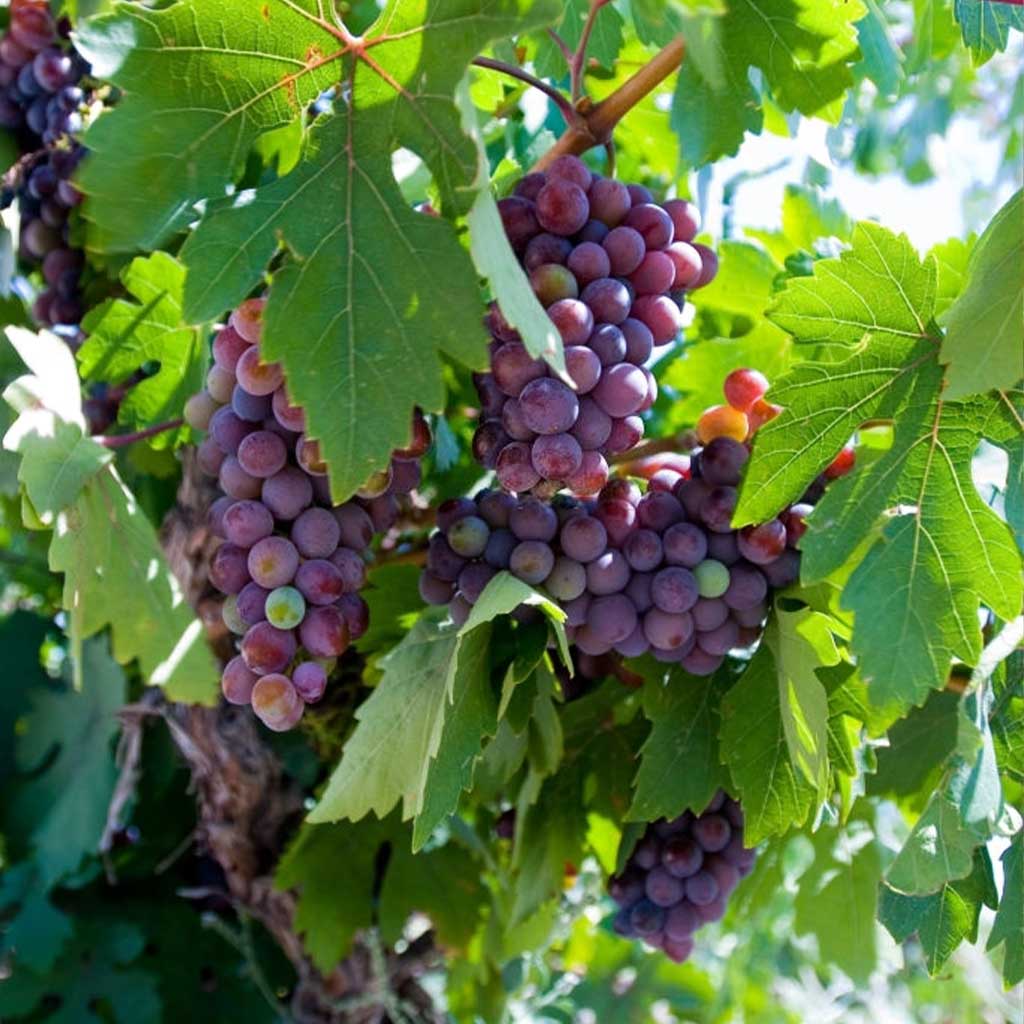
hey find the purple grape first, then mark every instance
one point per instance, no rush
(699, 663)
(567, 579)
(228, 568)
(607, 574)
(246, 522)
(571, 168)
(499, 548)
(658, 511)
(272, 562)
(495, 507)
(626, 888)
(682, 857)
(646, 918)
(235, 482)
(556, 456)
(660, 314)
(519, 218)
(237, 682)
(573, 320)
(655, 275)
(319, 581)
(686, 264)
(474, 579)
(593, 425)
(674, 590)
(576, 610)
(609, 201)
(287, 493)
(701, 888)
(712, 831)
(609, 300)
(267, 649)
(591, 476)
(552, 282)
(532, 561)
(489, 440)
(530, 519)
(653, 224)
(592, 231)
(717, 508)
(584, 367)
(561, 207)
(442, 561)
(784, 571)
(625, 248)
(611, 618)
(763, 543)
(546, 248)
(514, 467)
(513, 427)
(588, 261)
(548, 406)
(252, 601)
(621, 390)
(262, 454)
(608, 343)
(722, 461)
(627, 433)
(513, 368)
(324, 632)
(530, 184)
(643, 550)
(639, 341)
(310, 680)
(433, 590)
(618, 518)
(638, 590)
(682, 921)
(663, 889)
(747, 587)
(667, 631)
(685, 545)
(583, 538)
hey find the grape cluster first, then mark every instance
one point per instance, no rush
(41, 100)
(40, 72)
(680, 876)
(291, 563)
(661, 571)
(610, 266)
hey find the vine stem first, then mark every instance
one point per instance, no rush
(572, 117)
(123, 440)
(578, 59)
(599, 120)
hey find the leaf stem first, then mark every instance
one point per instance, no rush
(564, 106)
(123, 440)
(599, 120)
(578, 60)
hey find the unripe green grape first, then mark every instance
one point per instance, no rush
(712, 578)
(285, 607)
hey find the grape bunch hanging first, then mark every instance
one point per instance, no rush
(291, 564)
(41, 104)
(661, 571)
(610, 266)
(680, 876)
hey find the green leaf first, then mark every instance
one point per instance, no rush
(1008, 928)
(944, 919)
(68, 742)
(775, 794)
(333, 904)
(604, 44)
(984, 344)
(404, 716)
(919, 746)
(680, 765)
(986, 24)
(951, 260)
(443, 883)
(837, 897)
(22, 634)
(802, 641)
(125, 335)
(58, 456)
(916, 591)
(883, 59)
(92, 972)
(1007, 716)
(393, 598)
(808, 216)
(38, 931)
(106, 547)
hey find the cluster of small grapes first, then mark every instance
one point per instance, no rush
(661, 572)
(680, 876)
(291, 563)
(611, 267)
(41, 102)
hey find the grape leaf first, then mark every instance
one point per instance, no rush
(680, 766)
(1007, 716)
(67, 745)
(984, 343)
(945, 918)
(124, 335)
(1008, 927)
(442, 883)
(332, 905)
(107, 549)
(951, 260)
(919, 746)
(603, 46)
(50, 434)
(801, 641)
(372, 284)
(842, 886)
(985, 25)
(916, 591)
(883, 59)
(37, 931)
(92, 972)
(775, 794)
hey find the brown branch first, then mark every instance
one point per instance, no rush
(600, 119)
(564, 106)
(683, 443)
(123, 440)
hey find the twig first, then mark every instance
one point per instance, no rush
(565, 107)
(578, 60)
(241, 941)
(599, 120)
(123, 440)
(562, 45)
(682, 442)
